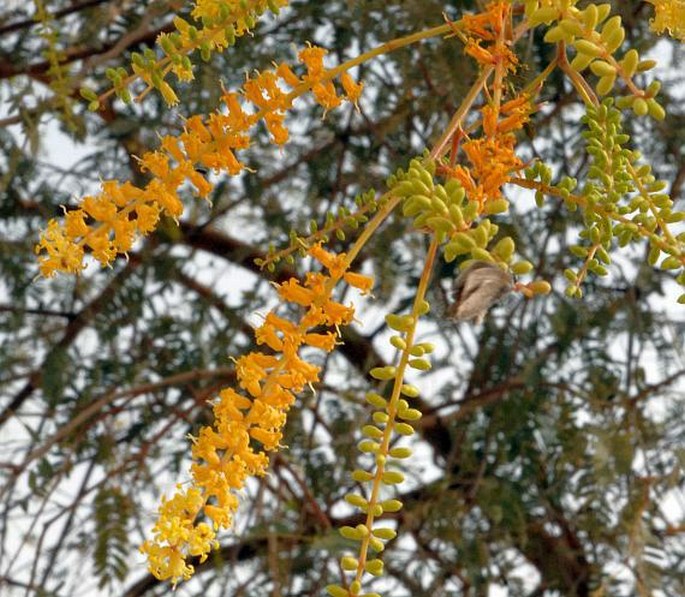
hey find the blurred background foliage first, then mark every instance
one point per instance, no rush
(552, 447)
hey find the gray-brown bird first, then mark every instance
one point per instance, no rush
(476, 289)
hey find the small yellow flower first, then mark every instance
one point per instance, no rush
(359, 281)
(669, 15)
(353, 90)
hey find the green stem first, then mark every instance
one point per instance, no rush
(392, 406)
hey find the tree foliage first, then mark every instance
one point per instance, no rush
(365, 444)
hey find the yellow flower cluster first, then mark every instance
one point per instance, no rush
(249, 423)
(669, 15)
(492, 158)
(219, 23)
(108, 224)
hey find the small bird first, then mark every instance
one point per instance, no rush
(476, 289)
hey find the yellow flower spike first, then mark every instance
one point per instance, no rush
(669, 15)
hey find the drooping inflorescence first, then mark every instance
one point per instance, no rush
(107, 224)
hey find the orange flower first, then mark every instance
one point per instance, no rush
(360, 281)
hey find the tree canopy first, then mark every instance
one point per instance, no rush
(234, 357)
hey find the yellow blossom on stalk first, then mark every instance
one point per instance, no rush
(487, 27)
(248, 423)
(108, 224)
(669, 15)
(492, 158)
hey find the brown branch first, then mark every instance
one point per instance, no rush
(58, 14)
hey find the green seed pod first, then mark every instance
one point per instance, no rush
(374, 567)
(398, 342)
(401, 323)
(606, 84)
(479, 254)
(439, 206)
(416, 351)
(350, 533)
(671, 262)
(677, 216)
(384, 533)
(411, 207)
(645, 65)
(410, 414)
(461, 243)
(440, 224)
(545, 14)
(603, 11)
(376, 544)
(456, 216)
(504, 249)
(349, 563)
(419, 188)
(630, 62)
(420, 364)
(380, 418)
(597, 269)
(372, 431)
(440, 192)
(361, 476)
(400, 452)
(455, 191)
(368, 446)
(613, 42)
(579, 251)
(391, 505)
(496, 206)
(640, 107)
(656, 111)
(392, 477)
(421, 174)
(603, 255)
(403, 429)
(357, 500)
(581, 61)
(602, 68)
(376, 400)
(540, 287)
(409, 390)
(590, 16)
(470, 210)
(611, 26)
(337, 591)
(556, 34)
(355, 587)
(571, 27)
(521, 267)
(404, 188)
(383, 373)
(428, 347)
(588, 48)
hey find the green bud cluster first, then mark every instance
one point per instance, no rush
(595, 48)
(390, 416)
(209, 34)
(623, 200)
(335, 224)
(440, 209)
(445, 211)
